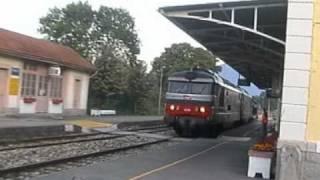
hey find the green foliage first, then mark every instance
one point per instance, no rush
(108, 39)
(71, 26)
(89, 31)
(180, 57)
(111, 77)
(139, 87)
(117, 25)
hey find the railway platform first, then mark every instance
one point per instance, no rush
(223, 158)
(16, 127)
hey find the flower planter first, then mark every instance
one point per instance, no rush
(260, 162)
(261, 156)
(29, 100)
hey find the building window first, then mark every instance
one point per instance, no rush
(28, 84)
(56, 87)
(43, 86)
(29, 67)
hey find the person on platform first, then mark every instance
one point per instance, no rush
(264, 123)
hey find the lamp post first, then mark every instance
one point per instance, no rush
(160, 90)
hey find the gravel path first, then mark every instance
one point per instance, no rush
(52, 141)
(19, 157)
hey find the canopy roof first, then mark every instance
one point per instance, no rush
(247, 35)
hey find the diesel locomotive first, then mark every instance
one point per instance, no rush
(200, 100)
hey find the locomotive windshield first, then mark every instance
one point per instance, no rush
(183, 87)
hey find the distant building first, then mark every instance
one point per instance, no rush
(38, 76)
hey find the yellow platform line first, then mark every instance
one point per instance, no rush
(89, 124)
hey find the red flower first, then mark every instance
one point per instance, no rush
(57, 101)
(268, 144)
(29, 100)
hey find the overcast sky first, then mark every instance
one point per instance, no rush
(154, 30)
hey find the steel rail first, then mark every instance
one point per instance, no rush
(147, 128)
(66, 136)
(159, 130)
(59, 143)
(72, 158)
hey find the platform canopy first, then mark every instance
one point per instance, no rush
(247, 35)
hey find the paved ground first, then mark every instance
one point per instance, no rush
(12, 122)
(224, 158)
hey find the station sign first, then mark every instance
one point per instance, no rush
(15, 71)
(14, 86)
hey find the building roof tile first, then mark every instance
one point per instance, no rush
(29, 48)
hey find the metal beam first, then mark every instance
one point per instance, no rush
(209, 30)
(246, 42)
(253, 62)
(236, 26)
(280, 4)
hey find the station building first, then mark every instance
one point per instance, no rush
(276, 45)
(38, 76)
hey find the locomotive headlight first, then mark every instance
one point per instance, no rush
(202, 109)
(171, 107)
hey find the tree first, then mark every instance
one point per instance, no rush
(111, 77)
(139, 87)
(180, 57)
(71, 26)
(89, 31)
(108, 39)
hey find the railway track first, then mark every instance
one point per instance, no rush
(73, 138)
(159, 127)
(156, 130)
(51, 141)
(76, 157)
(31, 155)
(160, 130)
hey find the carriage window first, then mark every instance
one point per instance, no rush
(201, 88)
(178, 87)
(190, 88)
(229, 107)
(221, 99)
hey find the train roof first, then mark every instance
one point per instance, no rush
(208, 73)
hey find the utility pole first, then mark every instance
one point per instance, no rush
(160, 91)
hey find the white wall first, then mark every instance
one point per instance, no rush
(55, 108)
(69, 77)
(8, 63)
(296, 70)
(27, 108)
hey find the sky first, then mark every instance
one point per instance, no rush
(155, 31)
